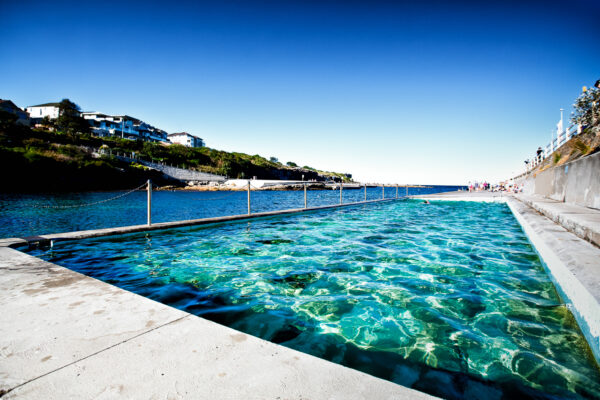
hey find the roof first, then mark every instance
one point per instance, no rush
(99, 114)
(184, 134)
(47, 105)
(9, 104)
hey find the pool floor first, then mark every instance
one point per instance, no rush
(448, 298)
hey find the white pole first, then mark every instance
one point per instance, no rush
(248, 197)
(382, 191)
(149, 202)
(365, 192)
(341, 199)
(562, 127)
(305, 203)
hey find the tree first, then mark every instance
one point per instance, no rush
(47, 123)
(69, 119)
(274, 160)
(291, 164)
(587, 108)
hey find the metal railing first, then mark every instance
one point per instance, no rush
(162, 210)
(249, 188)
(174, 171)
(561, 138)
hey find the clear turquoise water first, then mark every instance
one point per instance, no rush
(448, 298)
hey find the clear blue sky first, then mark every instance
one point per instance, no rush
(419, 92)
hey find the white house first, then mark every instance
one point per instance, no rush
(40, 111)
(186, 139)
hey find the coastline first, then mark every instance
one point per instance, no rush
(288, 187)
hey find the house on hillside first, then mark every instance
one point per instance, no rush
(149, 133)
(10, 107)
(123, 126)
(37, 113)
(186, 139)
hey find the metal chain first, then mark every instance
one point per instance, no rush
(97, 202)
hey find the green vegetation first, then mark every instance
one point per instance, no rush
(556, 157)
(64, 159)
(69, 120)
(587, 108)
(34, 161)
(580, 146)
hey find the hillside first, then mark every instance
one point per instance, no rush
(36, 160)
(579, 146)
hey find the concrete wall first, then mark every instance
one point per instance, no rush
(577, 182)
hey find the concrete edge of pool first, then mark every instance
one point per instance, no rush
(63, 334)
(571, 262)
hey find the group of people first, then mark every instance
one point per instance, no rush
(476, 186)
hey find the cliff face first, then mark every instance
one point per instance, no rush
(34, 161)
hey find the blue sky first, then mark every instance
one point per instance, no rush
(399, 92)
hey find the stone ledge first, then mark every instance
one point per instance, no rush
(582, 221)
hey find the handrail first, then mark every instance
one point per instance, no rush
(556, 143)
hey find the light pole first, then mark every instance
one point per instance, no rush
(561, 120)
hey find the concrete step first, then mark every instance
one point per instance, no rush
(582, 221)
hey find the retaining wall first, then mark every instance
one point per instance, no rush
(576, 182)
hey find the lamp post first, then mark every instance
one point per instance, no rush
(561, 120)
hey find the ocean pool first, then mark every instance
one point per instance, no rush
(448, 298)
(24, 215)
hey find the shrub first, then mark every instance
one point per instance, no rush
(582, 147)
(556, 157)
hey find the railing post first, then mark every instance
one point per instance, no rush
(365, 192)
(149, 189)
(407, 190)
(305, 203)
(248, 197)
(396, 190)
(382, 191)
(341, 188)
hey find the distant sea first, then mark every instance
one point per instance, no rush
(24, 215)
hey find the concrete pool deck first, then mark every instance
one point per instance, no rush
(66, 335)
